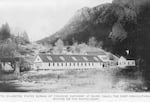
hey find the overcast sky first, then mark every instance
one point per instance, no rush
(40, 18)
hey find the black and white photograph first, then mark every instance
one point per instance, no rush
(75, 46)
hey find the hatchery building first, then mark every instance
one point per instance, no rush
(51, 61)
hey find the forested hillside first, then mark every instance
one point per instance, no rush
(10, 43)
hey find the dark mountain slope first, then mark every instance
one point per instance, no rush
(97, 22)
(82, 25)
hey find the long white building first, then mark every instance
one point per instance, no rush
(61, 61)
(50, 61)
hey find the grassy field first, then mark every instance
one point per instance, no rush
(75, 81)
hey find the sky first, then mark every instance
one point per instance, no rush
(41, 18)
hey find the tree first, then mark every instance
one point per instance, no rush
(118, 32)
(82, 47)
(92, 42)
(75, 48)
(25, 37)
(59, 45)
(22, 38)
(7, 48)
(5, 32)
(100, 44)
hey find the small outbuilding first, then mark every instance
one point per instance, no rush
(123, 62)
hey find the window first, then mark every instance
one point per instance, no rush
(57, 64)
(49, 64)
(53, 64)
(103, 65)
(74, 58)
(49, 58)
(62, 58)
(61, 64)
(104, 58)
(96, 59)
(85, 58)
(132, 62)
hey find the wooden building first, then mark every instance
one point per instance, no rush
(47, 62)
(123, 62)
(72, 61)
(10, 64)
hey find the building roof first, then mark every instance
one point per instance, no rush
(69, 58)
(9, 59)
(122, 58)
(96, 53)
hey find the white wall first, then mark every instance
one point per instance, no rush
(131, 63)
(66, 65)
(126, 63)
